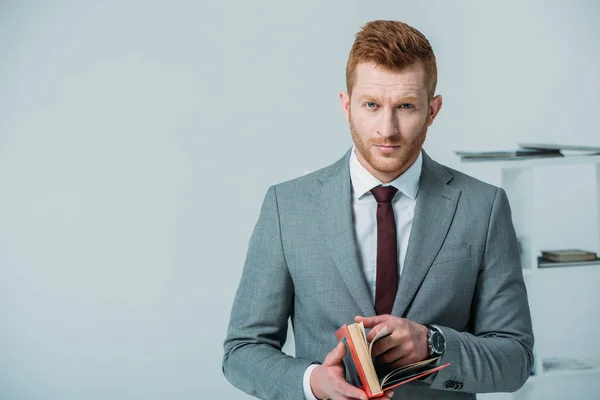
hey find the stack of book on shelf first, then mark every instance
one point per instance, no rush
(567, 258)
(528, 151)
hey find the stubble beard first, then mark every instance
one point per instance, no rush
(406, 154)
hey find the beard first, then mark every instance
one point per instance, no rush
(398, 161)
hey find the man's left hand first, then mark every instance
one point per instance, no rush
(406, 342)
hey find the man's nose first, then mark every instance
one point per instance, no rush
(388, 125)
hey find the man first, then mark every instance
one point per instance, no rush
(388, 237)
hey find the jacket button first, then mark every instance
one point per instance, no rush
(453, 385)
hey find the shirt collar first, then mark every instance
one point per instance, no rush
(363, 181)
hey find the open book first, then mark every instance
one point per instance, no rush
(362, 372)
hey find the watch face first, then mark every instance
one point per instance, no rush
(437, 342)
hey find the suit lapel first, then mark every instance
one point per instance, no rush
(434, 211)
(336, 218)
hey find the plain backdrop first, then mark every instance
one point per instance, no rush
(138, 139)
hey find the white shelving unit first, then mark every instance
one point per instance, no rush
(523, 181)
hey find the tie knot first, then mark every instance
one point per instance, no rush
(384, 194)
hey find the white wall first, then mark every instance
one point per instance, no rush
(137, 140)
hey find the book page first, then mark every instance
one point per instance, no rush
(382, 333)
(400, 373)
(394, 381)
(358, 337)
(362, 331)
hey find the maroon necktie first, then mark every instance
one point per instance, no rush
(387, 253)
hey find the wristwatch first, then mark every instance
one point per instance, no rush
(436, 341)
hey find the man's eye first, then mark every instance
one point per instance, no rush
(370, 104)
(407, 106)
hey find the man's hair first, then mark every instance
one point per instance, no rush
(393, 45)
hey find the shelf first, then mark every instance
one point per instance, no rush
(530, 186)
(545, 265)
(593, 363)
(533, 162)
(575, 270)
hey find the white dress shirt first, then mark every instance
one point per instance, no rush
(364, 213)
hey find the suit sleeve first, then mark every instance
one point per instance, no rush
(496, 355)
(253, 360)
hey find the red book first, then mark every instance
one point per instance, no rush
(361, 370)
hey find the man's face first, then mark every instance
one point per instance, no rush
(389, 113)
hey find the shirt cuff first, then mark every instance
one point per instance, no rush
(308, 394)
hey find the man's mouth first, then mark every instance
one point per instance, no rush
(386, 148)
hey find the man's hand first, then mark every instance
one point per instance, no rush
(328, 381)
(406, 342)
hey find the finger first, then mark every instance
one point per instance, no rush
(402, 362)
(386, 344)
(338, 396)
(392, 356)
(336, 355)
(370, 322)
(394, 325)
(378, 328)
(347, 390)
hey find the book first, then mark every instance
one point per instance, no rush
(543, 263)
(362, 372)
(568, 255)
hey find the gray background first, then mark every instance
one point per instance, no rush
(137, 140)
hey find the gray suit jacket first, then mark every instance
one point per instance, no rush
(462, 272)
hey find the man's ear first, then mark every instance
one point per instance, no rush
(345, 101)
(434, 108)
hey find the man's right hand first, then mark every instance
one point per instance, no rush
(328, 381)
